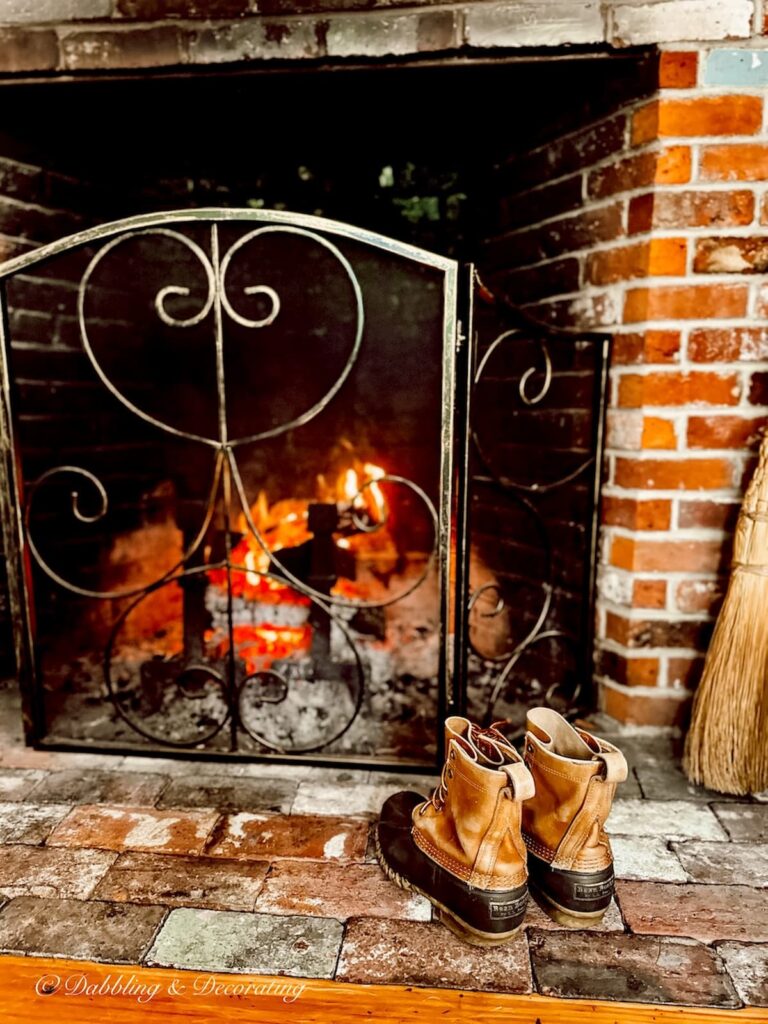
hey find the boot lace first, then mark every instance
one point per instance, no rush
(489, 742)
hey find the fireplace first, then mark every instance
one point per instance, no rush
(284, 487)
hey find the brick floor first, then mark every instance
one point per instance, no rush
(270, 868)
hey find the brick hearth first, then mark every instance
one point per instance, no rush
(260, 869)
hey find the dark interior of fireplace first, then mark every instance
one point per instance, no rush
(416, 168)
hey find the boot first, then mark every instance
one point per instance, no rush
(462, 848)
(569, 855)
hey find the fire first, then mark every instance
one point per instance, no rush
(362, 516)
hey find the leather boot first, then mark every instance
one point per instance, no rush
(569, 855)
(462, 848)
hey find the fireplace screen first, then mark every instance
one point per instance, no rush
(227, 507)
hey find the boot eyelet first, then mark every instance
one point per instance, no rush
(449, 773)
(452, 754)
(529, 748)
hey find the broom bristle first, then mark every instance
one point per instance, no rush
(727, 746)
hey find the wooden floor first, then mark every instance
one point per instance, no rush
(35, 990)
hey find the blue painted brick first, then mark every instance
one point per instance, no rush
(736, 67)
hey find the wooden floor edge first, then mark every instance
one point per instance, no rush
(36, 989)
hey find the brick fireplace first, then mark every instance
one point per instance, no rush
(628, 198)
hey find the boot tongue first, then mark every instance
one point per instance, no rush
(557, 735)
(486, 746)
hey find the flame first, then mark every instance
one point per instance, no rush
(284, 524)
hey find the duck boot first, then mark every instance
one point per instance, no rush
(569, 854)
(462, 848)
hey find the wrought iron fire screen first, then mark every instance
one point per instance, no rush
(240, 511)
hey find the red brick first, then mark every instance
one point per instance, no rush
(685, 302)
(704, 912)
(629, 671)
(638, 968)
(684, 673)
(645, 123)
(649, 593)
(183, 881)
(671, 166)
(674, 474)
(717, 515)
(338, 890)
(156, 10)
(48, 872)
(668, 388)
(658, 433)
(637, 709)
(570, 152)
(725, 431)
(690, 210)
(677, 69)
(265, 837)
(637, 515)
(380, 952)
(638, 633)
(734, 255)
(758, 389)
(632, 172)
(668, 555)
(659, 256)
(746, 161)
(693, 596)
(557, 237)
(645, 347)
(24, 49)
(161, 45)
(728, 345)
(135, 828)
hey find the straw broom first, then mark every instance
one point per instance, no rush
(727, 745)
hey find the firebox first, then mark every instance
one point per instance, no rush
(285, 487)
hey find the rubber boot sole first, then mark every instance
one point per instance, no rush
(562, 916)
(448, 917)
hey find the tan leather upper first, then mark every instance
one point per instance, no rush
(471, 825)
(575, 775)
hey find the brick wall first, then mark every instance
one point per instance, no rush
(651, 223)
(80, 35)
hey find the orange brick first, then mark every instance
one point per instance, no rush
(668, 555)
(667, 256)
(672, 388)
(673, 166)
(746, 161)
(711, 115)
(658, 433)
(662, 346)
(674, 474)
(649, 593)
(677, 70)
(623, 552)
(685, 302)
(642, 671)
(635, 709)
(645, 123)
(764, 210)
(725, 431)
(637, 515)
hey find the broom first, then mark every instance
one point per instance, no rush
(727, 744)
